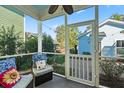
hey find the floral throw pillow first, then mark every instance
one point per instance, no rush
(9, 78)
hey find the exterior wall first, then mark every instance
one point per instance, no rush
(108, 43)
(110, 29)
(84, 44)
(9, 18)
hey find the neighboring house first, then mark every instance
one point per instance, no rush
(84, 43)
(9, 18)
(111, 39)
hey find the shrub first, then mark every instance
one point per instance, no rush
(24, 63)
(50, 59)
(112, 70)
(59, 70)
(58, 59)
(10, 41)
(31, 44)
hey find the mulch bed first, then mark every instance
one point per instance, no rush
(111, 83)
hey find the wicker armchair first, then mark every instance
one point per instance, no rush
(43, 75)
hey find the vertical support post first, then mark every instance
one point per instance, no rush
(39, 36)
(115, 48)
(96, 37)
(66, 48)
(24, 27)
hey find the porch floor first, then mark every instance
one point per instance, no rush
(60, 82)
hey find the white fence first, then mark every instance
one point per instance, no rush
(81, 67)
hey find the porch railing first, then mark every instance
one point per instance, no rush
(24, 61)
(81, 67)
(121, 59)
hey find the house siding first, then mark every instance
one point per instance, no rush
(108, 43)
(9, 18)
(84, 44)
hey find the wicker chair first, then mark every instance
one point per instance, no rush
(44, 75)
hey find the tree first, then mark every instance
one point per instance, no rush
(47, 43)
(31, 44)
(60, 36)
(73, 35)
(10, 42)
(118, 17)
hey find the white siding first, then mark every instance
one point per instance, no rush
(108, 43)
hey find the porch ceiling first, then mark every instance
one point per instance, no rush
(40, 11)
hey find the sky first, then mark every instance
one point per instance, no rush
(49, 25)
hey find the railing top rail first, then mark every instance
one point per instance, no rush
(53, 53)
(9, 56)
(78, 55)
(111, 57)
(73, 55)
(89, 56)
(119, 47)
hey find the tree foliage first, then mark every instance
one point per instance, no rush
(47, 43)
(31, 44)
(73, 35)
(10, 42)
(60, 36)
(118, 17)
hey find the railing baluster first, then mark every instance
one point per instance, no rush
(72, 66)
(75, 66)
(87, 63)
(79, 68)
(90, 69)
(83, 68)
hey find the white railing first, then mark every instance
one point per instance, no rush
(53, 53)
(16, 55)
(106, 57)
(20, 56)
(81, 67)
(22, 60)
(8, 56)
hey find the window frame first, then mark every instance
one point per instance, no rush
(120, 46)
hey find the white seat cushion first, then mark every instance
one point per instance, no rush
(24, 81)
(43, 71)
